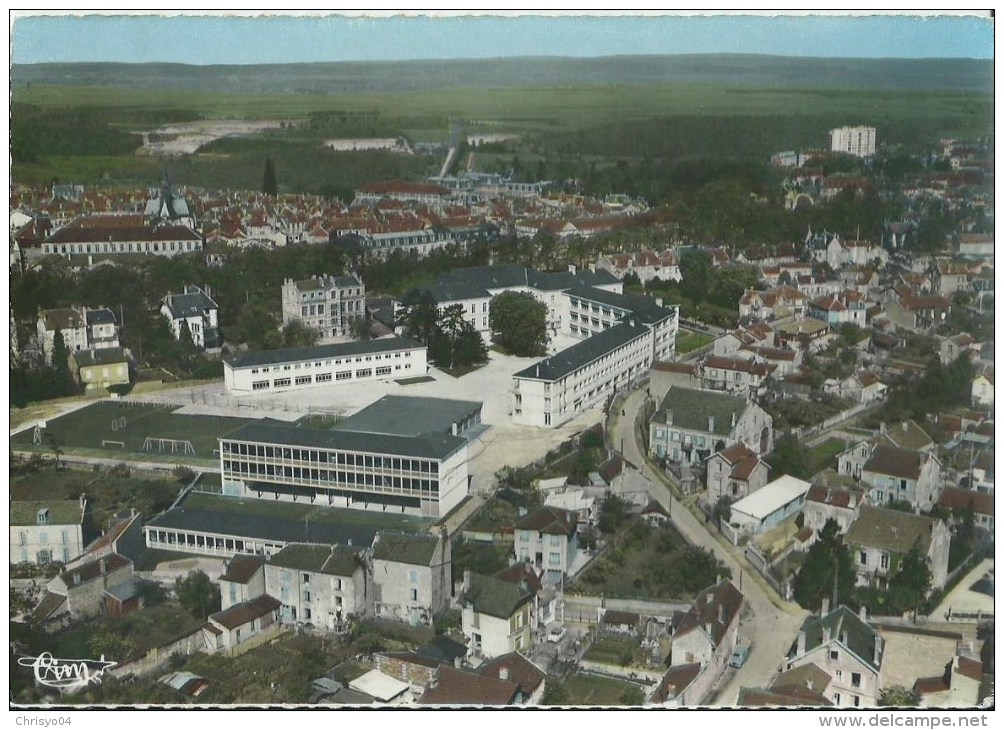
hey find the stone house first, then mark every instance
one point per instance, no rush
(848, 649)
(411, 577)
(879, 538)
(735, 472)
(318, 584)
(496, 615)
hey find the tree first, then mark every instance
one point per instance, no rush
(723, 509)
(197, 593)
(612, 515)
(910, 584)
(451, 324)
(789, 458)
(554, 693)
(519, 324)
(61, 364)
(297, 334)
(269, 186)
(419, 315)
(898, 696)
(828, 565)
(470, 347)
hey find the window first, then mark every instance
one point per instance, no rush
(554, 559)
(281, 382)
(855, 679)
(839, 674)
(524, 536)
(857, 701)
(836, 698)
(303, 380)
(884, 561)
(862, 558)
(364, 373)
(383, 370)
(306, 577)
(344, 375)
(414, 594)
(834, 655)
(323, 378)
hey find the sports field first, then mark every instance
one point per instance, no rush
(112, 429)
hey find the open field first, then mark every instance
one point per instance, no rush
(89, 427)
(690, 341)
(571, 125)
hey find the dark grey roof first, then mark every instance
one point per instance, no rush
(256, 525)
(104, 356)
(845, 627)
(321, 282)
(562, 280)
(192, 303)
(100, 316)
(691, 409)
(267, 430)
(343, 349)
(400, 415)
(568, 361)
(644, 309)
(337, 560)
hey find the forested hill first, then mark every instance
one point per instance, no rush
(396, 76)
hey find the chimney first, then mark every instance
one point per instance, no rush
(721, 613)
(467, 580)
(669, 417)
(76, 578)
(882, 427)
(733, 420)
(824, 608)
(878, 650)
(800, 646)
(503, 672)
(843, 638)
(906, 427)
(711, 424)
(826, 634)
(103, 565)
(863, 613)
(571, 269)
(708, 627)
(83, 502)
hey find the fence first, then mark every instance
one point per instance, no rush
(185, 645)
(832, 421)
(663, 609)
(763, 567)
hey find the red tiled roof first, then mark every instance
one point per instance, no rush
(90, 571)
(956, 498)
(246, 612)
(549, 520)
(241, 568)
(677, 679)
(704, 610)
(454, 687)
(971, 668)
(518, 668)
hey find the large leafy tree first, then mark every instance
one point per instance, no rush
(419, 315)
(197, 593)
(519, 324)
(827, 564)
(910, 584)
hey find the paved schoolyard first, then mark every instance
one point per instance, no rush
(503, 444)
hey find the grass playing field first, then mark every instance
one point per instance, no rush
(118, 430)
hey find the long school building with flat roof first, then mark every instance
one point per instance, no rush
(419, 475)
(308, 367)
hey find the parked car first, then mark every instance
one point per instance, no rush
(740, 654)
(556, 634)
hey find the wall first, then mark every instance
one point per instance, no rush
(156, 658)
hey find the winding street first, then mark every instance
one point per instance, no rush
(770, 622)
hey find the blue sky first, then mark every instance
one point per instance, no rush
(287, 38)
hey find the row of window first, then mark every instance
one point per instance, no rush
(45, 556)
(324, 377)
(43, 537)
(337, 361)
(240, 470)
(224, 544)
(361, 461)
(140, 247)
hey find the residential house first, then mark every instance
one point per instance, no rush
(809, 335)
(983, 390)
(100, 368)
(646, 265)
(328, 304)
(902, 475)
(844, 646)
(517, 668)
(767, 507)
(952, 347)
(318, 584)
(982, 472)
(82, 329)
(690, 425)
(547, 601)
(411, 577)
(681, 686)
(123, 536)
(948, 277)
(195, 310)
(242, 625)
(48, 531)
(618, 622)
(778, 303)
(84, 586)
(804, 686)
(655, 514)
(838, 309)
(577, 501)
(496, 615)
(958, 501)
(708, 632)
(743, 376)
(454, 687)
(879, 538)
(243, 579)
(919, 312)
(823, 503)
(958, 687)
(662, 375)
(735, 472)
(547, 537)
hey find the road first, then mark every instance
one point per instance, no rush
(771, 623)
